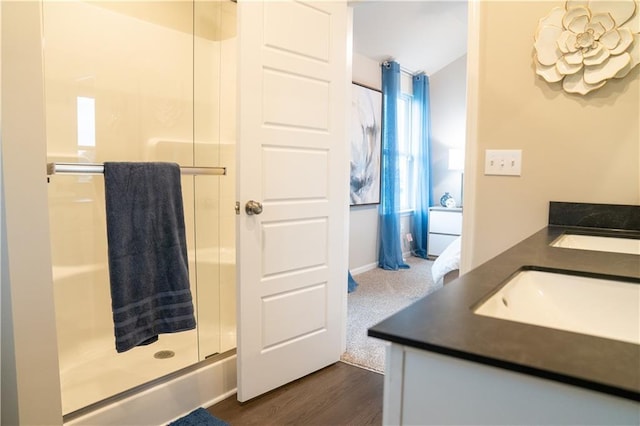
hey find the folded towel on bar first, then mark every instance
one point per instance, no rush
(147, 252)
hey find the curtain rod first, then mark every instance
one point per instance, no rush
(403, 69)
(96, 168)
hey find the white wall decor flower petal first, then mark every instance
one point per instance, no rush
(549, 73)
(611, 40)
(588, 42)
(626, 37)
(608, 69)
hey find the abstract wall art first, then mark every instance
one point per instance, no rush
(366, 113)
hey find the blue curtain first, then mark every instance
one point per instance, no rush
(423, 181)
(390, 255)
(351, 283)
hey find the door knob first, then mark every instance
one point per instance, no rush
(253, 207)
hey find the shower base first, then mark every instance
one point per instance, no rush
(100, 373)
(167, 399)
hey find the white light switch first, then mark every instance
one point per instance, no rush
(503, 162)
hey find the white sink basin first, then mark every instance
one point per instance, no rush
(591, 242)
(593, 306)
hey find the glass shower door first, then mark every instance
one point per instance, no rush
(121, 85)
(214, 146)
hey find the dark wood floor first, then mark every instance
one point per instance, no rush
(340, 394)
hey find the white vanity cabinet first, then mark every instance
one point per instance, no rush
(426, 388)
(445, 225)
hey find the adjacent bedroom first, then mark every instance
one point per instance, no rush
(407, 161)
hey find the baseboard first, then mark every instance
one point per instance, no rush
(171, 400)
(374, 265)
(364, 268)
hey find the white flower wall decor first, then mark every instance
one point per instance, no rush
(586, 43)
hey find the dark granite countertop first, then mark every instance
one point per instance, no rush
(444, 322)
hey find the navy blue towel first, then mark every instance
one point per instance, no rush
(199, 417)
(148, 266)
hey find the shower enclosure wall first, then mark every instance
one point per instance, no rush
(138, 81)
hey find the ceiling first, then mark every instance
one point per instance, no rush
(422, 35)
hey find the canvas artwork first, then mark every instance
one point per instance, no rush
(366, 113)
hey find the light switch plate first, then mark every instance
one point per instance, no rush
(504, 162)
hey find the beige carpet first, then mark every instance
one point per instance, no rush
(380, 294)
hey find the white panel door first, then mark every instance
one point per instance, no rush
(292, 158)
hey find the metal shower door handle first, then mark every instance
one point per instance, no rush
(253, 207)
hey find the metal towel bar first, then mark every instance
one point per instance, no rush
(96, 168)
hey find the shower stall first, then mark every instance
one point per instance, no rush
(138, 81)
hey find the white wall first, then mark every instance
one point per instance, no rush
(575, 148)
(363, 220)
(448, 89)
(366, 72)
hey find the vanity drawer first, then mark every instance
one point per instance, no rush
(445, 222)
(439, 242)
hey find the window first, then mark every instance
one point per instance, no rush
(405, 153)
